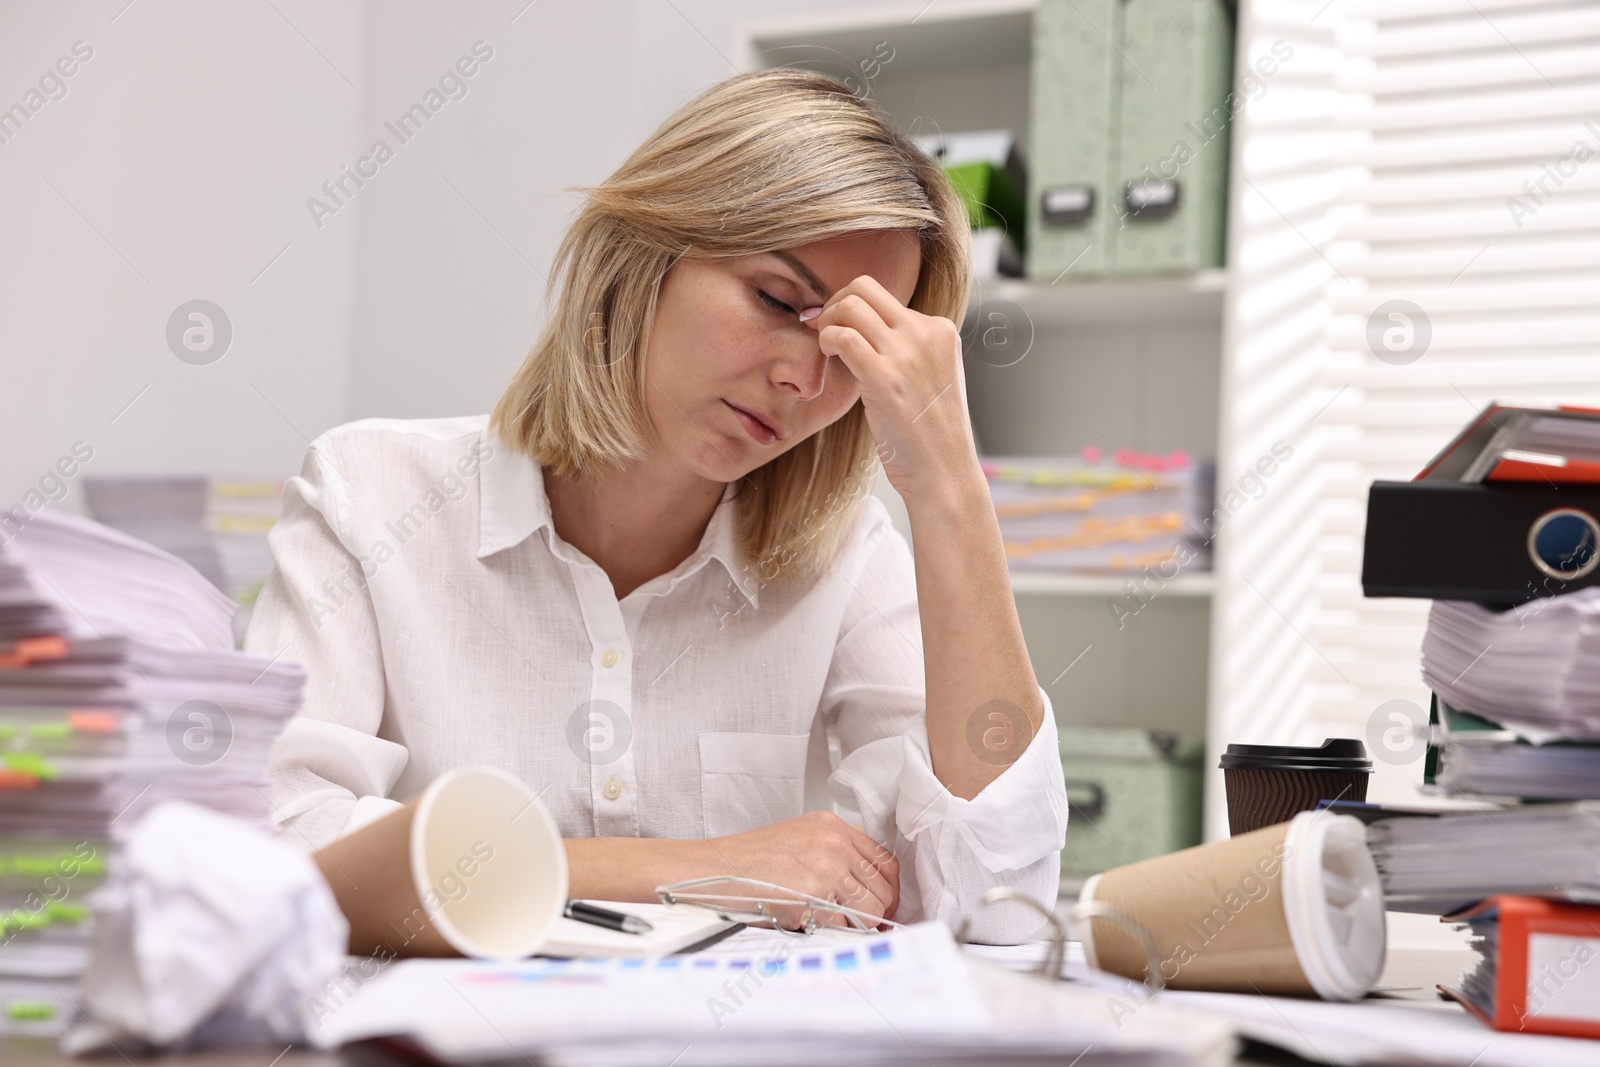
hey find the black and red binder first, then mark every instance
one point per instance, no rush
(1507, 512)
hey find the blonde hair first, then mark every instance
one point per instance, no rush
(760, 162)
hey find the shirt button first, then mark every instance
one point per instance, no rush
(613, 789)
(609, 658)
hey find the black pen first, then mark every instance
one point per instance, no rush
(611, 920)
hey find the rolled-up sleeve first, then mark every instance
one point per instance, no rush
(329, 768)
(951, 850)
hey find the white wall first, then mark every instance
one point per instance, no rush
(184, 152)
(174, 168)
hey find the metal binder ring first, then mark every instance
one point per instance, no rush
(1154, 980)
(1565, 544)
(1055, 956)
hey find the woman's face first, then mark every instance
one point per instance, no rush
(733, 378)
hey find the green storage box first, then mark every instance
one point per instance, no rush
(1133, 794)
(1072, 107)
(1130, 116)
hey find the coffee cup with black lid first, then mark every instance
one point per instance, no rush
(1269, 784)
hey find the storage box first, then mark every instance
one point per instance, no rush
(1133, 794)
(1130, 121)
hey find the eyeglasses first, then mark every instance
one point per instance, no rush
(768, 906)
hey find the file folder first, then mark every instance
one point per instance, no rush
(1450, 541)
(1507, 512)
(1540, 972)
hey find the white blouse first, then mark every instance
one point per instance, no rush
(443, 624)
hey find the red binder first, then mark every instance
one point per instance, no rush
(1541, 968)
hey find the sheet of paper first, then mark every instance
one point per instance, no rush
(911, 982)
(837, 998)
(1373, 1032)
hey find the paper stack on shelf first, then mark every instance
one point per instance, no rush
(1094, 513)
(119, 689)
(217, 526)
(1440, 863)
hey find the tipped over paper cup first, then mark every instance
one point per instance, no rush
(1295, 908)
(473, 866)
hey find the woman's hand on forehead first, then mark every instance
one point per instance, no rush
(912, 387)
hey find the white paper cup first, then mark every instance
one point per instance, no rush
(473, 865)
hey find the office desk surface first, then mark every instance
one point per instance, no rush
(1410, 974)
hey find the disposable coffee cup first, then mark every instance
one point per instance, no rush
(1292, 909)
(471, 866)
(1269, 784)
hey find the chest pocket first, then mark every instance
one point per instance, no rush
(751, 780)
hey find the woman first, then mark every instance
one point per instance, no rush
(654, 585)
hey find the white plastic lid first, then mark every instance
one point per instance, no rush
(1333, 901)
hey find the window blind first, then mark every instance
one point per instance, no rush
(1454, 214)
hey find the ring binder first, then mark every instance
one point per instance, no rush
(767, 912)
(1055, 955)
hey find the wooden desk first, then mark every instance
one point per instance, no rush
(1410, 975)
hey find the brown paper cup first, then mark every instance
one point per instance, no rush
(471, 866)
(1262, 798)
(1295, 908)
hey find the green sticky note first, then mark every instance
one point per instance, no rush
(38, 865)
(30, 1010)
(30, 763)
(61, 911)
(20, 919)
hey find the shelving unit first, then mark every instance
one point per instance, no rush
(1103, 585)
(1118, 362)
(1163, 298)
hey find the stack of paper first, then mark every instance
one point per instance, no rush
(1128, 513)
(1438, 864)
(119, 688)
(1480, 757)
(1534, 668)
(902, 997)
(218, 527)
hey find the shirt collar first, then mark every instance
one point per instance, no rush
(512, 506)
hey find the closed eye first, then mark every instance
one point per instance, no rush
(775, 305)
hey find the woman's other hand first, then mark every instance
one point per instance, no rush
(820, 855)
